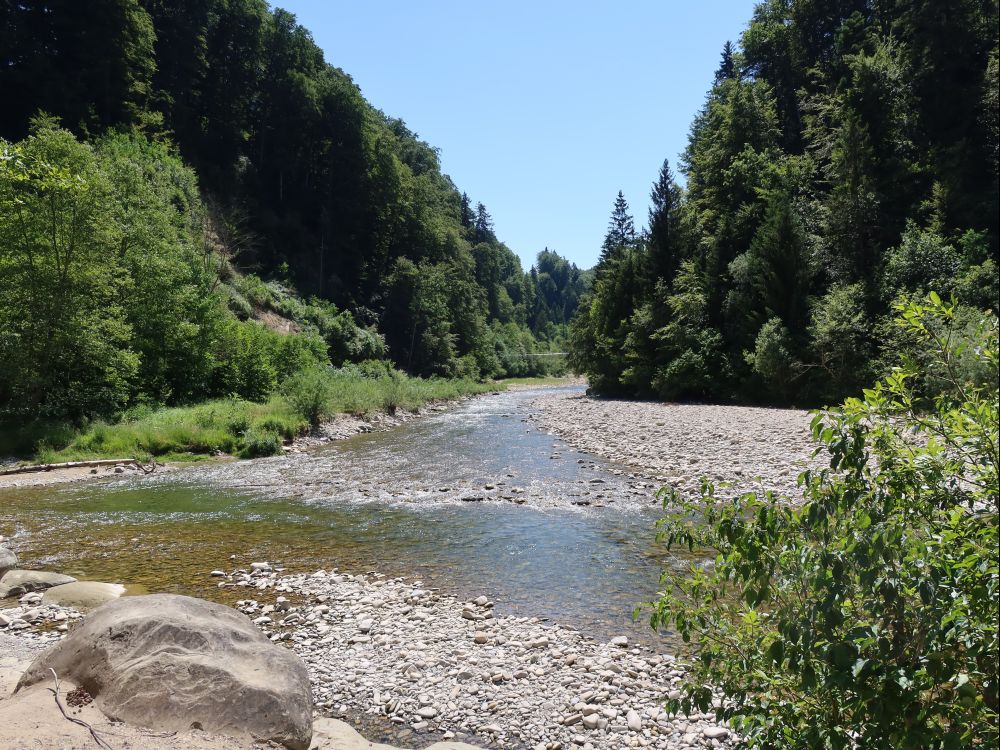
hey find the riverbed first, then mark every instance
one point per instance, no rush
(470, 573)
(472, 501)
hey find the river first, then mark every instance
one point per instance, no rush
(472, 500)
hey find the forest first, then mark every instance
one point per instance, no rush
(845, 160)
(194, 204)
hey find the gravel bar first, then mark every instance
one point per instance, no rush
(678, 444)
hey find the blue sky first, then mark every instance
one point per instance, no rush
(541, 110)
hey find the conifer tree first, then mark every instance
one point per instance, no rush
(664, 221)
(483, 226)
(727, 66)
(621, 231)
(465, 211)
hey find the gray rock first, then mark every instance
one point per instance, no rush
(172, 663)
(715, 733)
(8, 560)
(83, 595)
(21, 582)
(634, 721)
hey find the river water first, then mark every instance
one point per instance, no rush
(472, 500)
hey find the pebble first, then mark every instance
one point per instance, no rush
(447, 666)
(678, 444)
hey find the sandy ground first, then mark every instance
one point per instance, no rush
(678, 444)
(73, 474)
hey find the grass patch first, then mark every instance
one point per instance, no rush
(539, 380)
(235, 426)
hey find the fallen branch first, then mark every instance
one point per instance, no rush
(93, 732)
(71, 465)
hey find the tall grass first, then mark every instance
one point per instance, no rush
(233, 426)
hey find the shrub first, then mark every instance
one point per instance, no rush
(294, 353)
(922, 261)
(839, 332)
(310, 393)
(245, 362)
(254, 290)
(369, 368)
(260, 442)
(393, 392)
(865, 617)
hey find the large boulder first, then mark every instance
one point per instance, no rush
(172, 663)
(83, 595)
(8, 560)
(21, 582)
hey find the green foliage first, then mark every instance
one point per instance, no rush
(245, 363)
(845, 158)
(307, 183)
(309, 393)
(64, 335)
(258, 442)
(556, 287)
(167, 294)
(839, 339)
(234, 425)
(772, 357)
(922, 261)
(863, 615)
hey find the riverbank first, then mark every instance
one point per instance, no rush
(233, 426)
(432, 663)
(408, 665)
(212, 432)
(678, 444)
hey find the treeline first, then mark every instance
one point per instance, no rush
(846, 157)
(223, 209)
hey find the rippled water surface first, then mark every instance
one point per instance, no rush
(472, 500)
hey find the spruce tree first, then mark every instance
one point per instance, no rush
(664, 220)
(465, 211)
(621, 231)
(727, 66)
(483, 227)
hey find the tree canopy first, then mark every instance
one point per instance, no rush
(846, 156)
(208, 169)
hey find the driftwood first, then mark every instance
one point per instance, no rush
(79, 465)
(93, 732)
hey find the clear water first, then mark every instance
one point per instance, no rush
(580, 550)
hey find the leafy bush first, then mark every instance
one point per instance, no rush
(699, 369)
(253, 289)
(295, 353)
(922, 261)
(260, 442)
(839, 331)
(866, 616)
(244, 363)
(372, 369)
(309, 393)
(393, 392)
